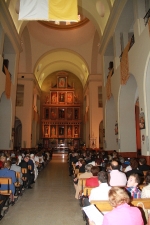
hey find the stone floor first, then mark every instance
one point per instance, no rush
(51, 201)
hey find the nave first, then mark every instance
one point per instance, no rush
(51, 201)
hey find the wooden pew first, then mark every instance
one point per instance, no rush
(105, 206)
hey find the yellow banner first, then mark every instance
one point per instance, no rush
(63, 10)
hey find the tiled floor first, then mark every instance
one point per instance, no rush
(51, 201)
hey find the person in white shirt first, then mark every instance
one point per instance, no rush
(117, 178)
(101, 192)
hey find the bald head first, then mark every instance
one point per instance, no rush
(114, 165)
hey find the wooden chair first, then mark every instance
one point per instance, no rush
(76, 171)
(87, 191)
(6, 181)
(78, 175)
(82, 183)
(18, 186)
(24, 172)
(7, 192)
(29, 167)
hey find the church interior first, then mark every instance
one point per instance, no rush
(81, 84)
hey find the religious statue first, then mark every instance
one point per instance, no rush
(53, 131)
(46, 99)
(69, 131)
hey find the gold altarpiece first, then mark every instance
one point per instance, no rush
(61, 120)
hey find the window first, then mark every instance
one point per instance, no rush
(20, 95)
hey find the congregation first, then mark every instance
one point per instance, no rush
(101, 176)
(18, 172)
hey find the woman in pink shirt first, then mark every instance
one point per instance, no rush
(122, 213)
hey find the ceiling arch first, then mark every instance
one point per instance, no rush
(61, 59)
(87, 7)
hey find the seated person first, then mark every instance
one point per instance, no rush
(81, 165)
(16, 168)
(117, 178)
(132, 184)
(122, 214)
(146, 191)
(100, 192)
(6, 172)
(143, 165)
(2, 161)
(93, 181)
(134, 169)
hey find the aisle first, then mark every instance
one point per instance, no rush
(51, 201)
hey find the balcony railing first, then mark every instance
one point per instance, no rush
(131, 44)
(146, 17)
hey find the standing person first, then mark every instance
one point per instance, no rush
(24, 164)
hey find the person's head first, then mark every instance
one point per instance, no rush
(7, 164)
(95, 170)
(108, 167)
(114, 165)
(81, 162)
(102, 177)
(14, 160)
(118, 196)
(134, 164)
(3, 159)
(88, 168)
(147, 177)
(31, 156)
(26, 158)
(121, 159)
(133, 180)
(142, 161)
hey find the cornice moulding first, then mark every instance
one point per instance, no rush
(6, 19)
(111, 24)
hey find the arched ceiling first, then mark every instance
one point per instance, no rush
(97, 11)
(61, 59)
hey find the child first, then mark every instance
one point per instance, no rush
(132, 184)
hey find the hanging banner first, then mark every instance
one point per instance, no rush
(124, 65)
(49, 10)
